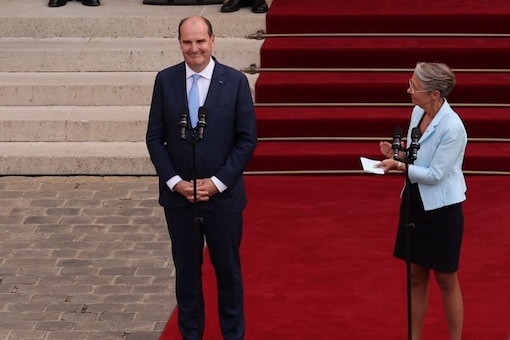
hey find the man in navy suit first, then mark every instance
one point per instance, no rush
(220, 159)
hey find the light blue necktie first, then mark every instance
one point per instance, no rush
(194, 101)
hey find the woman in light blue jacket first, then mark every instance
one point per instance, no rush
(437, 190)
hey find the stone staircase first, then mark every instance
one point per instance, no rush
(76, 81)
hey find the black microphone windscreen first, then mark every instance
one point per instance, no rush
(202, 112)
(202, 124)
(398, 131)
(183, 122)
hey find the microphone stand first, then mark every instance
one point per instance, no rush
(197, 233)
(197, 224)
(410, 157)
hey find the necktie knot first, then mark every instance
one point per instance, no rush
(194, 100)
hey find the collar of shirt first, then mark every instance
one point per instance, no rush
(205, 73)
(204, 81)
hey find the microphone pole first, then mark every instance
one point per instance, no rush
(197, 135)
(410, 157)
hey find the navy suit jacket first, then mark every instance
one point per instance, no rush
(228, 142)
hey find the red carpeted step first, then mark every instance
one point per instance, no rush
(368, 121)
(384, 52)
(289, 156)
(329, 121)
(319, 16)
(329, 156)
(369, 87)
(485, 122)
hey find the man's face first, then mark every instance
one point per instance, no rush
(196, 44)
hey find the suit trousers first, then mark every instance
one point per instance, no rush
(222, 233)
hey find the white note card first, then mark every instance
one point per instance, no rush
(369, 166)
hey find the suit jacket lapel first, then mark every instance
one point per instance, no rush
(218, 81)
(179, 84)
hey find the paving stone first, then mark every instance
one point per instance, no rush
(17, 325)
(26, 335)
(54, 325)
(64, 279)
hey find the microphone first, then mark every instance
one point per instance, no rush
(201, 124)
(415, 146)
(397, 139)
(183, 122)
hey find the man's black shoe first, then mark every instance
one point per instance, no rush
(259, 6)
(91, 2)
(57, 3)
(233, 5)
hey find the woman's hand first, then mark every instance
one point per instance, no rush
(386, 149)
(390, 164)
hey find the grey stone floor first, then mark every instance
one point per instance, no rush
(83, 258)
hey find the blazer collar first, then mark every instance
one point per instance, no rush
(218, 82)
(445, 108)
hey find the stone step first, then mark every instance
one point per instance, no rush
(76, 88)
(75, 54)
(73, 123)
(79, 88)
(76, 81)
(75, 158)
(117, 18)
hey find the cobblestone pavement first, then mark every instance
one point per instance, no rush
(83, 258)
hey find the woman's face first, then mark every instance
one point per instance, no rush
(419, 96)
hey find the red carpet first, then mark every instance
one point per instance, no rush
(317, 251)
(391, 52)
(330, 156)
(319, 16)
(317, 261)
(365, 122)
(371, 87)
(351, 88)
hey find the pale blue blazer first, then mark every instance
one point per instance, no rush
(438, 167)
